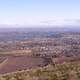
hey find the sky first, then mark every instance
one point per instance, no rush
(39, 12)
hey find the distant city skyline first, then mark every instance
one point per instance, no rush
(39, 12)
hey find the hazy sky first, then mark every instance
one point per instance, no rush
(39, 12)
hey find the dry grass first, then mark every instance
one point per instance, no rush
(66, 71)
(18, 52)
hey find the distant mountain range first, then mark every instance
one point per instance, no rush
(41, 28)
